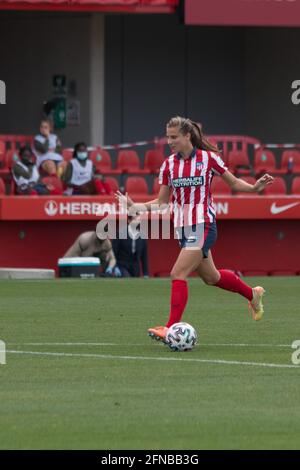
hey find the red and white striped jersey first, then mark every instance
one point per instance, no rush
(190, 180)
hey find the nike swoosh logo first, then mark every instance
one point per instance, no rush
(277, 210)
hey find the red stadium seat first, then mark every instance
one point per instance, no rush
(22, 140)
(296, 185)
(2, 160)
(238, 162)
(4, 139)
(9, 140)
(212, 141)
(2, 149)
(11, 157)
(129, 162)
(153, 161)
(136, 185)
(277, 187)
(250, 180)
(113, 183)
(219, 186)
(290, 162)
(102, 161)
(12, 142)
(264, 161)
(13, 186)
(2, 187)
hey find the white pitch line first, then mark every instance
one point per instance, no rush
(145, 358)
(245, 345)
(66, 344)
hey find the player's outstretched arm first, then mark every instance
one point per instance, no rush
(262, 182)
(238, 184)
(134, 207)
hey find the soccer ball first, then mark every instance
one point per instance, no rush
(181, 337)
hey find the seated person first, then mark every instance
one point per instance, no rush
(88, 244)
(80, 175)
(27, 177)
(47, 147)
(131, 250)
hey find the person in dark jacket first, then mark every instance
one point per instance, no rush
(131, 250)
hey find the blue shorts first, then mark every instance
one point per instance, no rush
(199, 236)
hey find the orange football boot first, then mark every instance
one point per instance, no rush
(158, 333)
(256, 306)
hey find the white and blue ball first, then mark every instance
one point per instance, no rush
(181, 337)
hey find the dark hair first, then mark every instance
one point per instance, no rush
(77, 147)
(23, 149)
(197, 138)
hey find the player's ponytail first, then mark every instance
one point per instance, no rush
(197, 138)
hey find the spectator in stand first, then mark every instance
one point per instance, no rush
(88, 244)
(131, 250)
(27, 178)
(47, 149)
(80, 176)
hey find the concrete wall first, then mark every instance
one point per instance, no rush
(233, 80)
(272, 64)
(156, 68)
(33, 48)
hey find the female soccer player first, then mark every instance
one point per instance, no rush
(187, 175)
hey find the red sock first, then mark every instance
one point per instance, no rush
(230, 281)
(179, 297)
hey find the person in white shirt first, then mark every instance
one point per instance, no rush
(47, 147)
(27, 178)
(80, 176)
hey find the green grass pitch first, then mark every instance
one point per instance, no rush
(104, 384)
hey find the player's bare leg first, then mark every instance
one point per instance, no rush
(207, 270)
(187, 262)
(211, 276)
